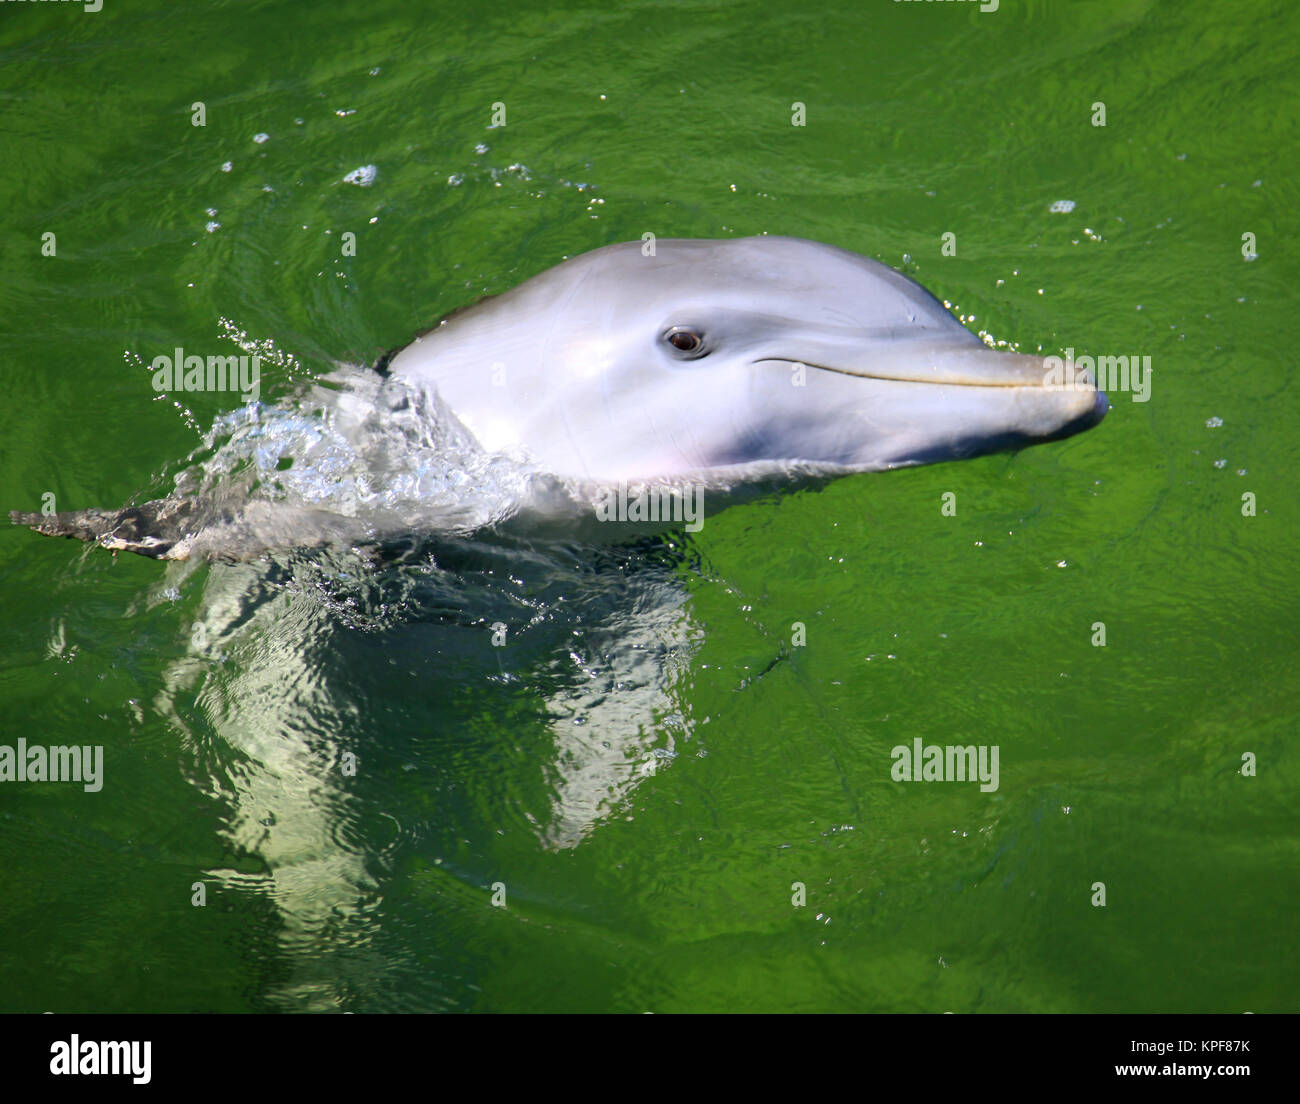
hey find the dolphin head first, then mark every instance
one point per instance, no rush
(750, 357)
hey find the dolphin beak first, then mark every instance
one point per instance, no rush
(1049, 406)
(964, 365)
(920, 401)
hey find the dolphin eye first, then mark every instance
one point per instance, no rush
(686, 340)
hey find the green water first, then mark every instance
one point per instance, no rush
(1119, 764)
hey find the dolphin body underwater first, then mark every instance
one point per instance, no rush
(725, 365)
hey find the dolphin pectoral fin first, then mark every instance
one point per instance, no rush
(156, 529)
(86, 525)
(201, 529)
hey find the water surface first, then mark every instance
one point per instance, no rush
(650, 763)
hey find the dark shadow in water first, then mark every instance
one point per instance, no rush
(356, 710)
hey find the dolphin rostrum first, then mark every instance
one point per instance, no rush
(726, 364)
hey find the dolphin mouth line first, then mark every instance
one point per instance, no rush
(918, 379)
(935, 375)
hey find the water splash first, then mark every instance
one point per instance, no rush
(352, 458)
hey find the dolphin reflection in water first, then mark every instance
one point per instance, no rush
(451, 497)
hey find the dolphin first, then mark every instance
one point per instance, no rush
(617, 365)
(724, 363)
(735, 364)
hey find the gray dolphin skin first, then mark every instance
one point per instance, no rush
(620, 366)
(724, 363)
